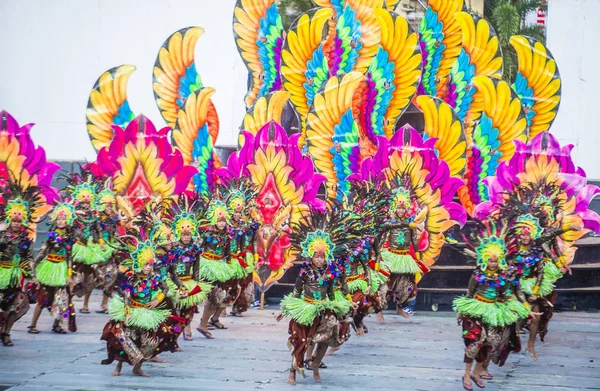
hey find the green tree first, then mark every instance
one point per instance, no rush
(507, 17)
(290, 10)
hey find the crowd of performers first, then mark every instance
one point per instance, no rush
(154, 268)
(157, 267)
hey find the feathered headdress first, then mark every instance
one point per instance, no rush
(488, 242)
(65, 209)
(238, 194)
(217, 211)
(141, 254)
(328, 232)
(183, 215)
(22, 203)
(369, 202)
(528, 224)
(82, 187)
(106, 196)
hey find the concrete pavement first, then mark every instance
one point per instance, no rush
(423, 353)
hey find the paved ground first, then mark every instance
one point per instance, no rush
(424, 353)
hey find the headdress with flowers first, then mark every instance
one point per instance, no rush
(332, 232)
(182, 215)
(488, 242)
(528, 223)
(20, 203)
(82, 187)
(238, 194)
(106, 197)
(66, 209)
(217, 211)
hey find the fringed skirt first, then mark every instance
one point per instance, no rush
(133, 345)
(246, 295)
(190, 285)
(479, 338)
(13, 303)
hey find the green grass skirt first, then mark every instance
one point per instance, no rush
(108, 251)
(11, 277)
(88, 255)
(214, 271)
(551, 275)
(52, 274)
(305, 313)
(237, 271)
(359, 284)
(144, 318)
(190, 301)
(492, 314)
(518, 308)
(250, 261)
(399, 264)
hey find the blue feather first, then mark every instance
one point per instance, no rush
(525, 93)
(271, 28)
(485, 137)
(202, 156)
(462, 74)
(382, 74)
(346, 160)
(124, 116)
(431, 33)
(188, 83)
(317, 72)
(348, 29)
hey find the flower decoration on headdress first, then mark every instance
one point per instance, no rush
(217, 211)
(65, 209)
(491, 247)
(236, 202)
(528, 224)
(163, 234)
(17, 209)
(400, 197)
(84, 193)
(144, 253)
(185, 223)
(318, 242)
(106, 197)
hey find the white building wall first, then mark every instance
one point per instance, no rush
(574, 40)
(54, 50)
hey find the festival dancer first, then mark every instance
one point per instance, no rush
(367, 203)
(487, 309)
(89, 252)
(545, 197)
(185, 287)
(402, 232)
(142, 324)
(537, 277)
(243, 242)
(53, 271)
(109, 222)
(16, 255)
(320, 239)
(215, 268)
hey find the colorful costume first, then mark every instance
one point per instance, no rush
(184, 269)
(313, 307)
(54, 267)
(243, 230)
(215, 267)
(142, 325)
(109, 223)
(488, 309)
(16, 257)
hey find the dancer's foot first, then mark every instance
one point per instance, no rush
(137, 370)
(478, 382)
(360, 331)
(58, 330)
(485, 375)
(380, 318)
(467, 385)
(117, 370)
(316, 374)
(532, 353)
(6, 341)
(84, 310)
(158, 360)
(332, 350)
(206, 333)
(366, 330)
(218, 324)
(400, 311)
(292, 377)
(33, 330)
